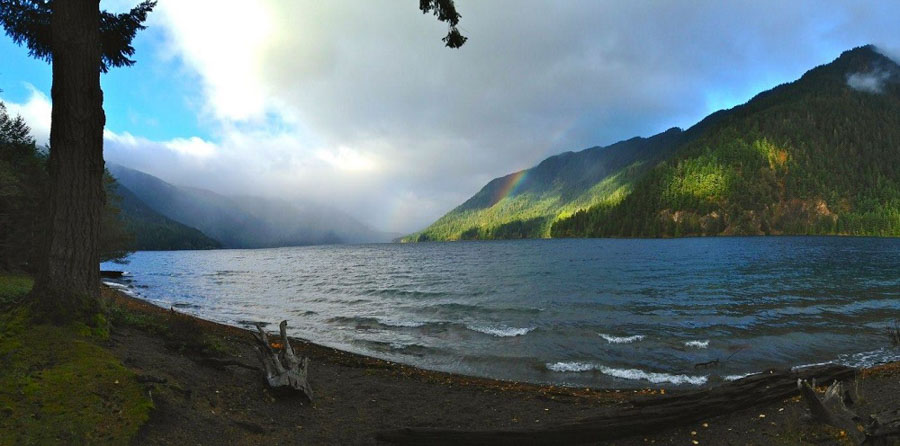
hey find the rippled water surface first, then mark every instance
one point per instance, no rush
(614, 313)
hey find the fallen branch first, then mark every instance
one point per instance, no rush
(642, 416)
(284, 368)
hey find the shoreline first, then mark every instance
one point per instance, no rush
(342, 357)
(357, 397)
(686, 381)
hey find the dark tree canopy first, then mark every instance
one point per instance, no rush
(445, 11)
(27, 22)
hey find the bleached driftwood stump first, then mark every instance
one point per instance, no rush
(834, 409)
(283, 368)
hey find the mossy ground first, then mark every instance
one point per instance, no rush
(58, 385)
(13, 287)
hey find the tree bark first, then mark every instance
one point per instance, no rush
(67, 286)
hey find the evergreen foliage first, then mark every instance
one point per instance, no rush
(816, 156)
(22, 174)
(23, 182)
(445, 11)
(526, 203)
(27, 22)
(153, 231)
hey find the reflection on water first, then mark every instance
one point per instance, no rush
(619, 313)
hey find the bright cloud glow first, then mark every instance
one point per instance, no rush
(36, 112)
(347, 159)
(192, 146)
(224, 40)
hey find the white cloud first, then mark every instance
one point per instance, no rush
(872, 82)
(223, 40)
(36, 112)
(192, 146)
(346, 158)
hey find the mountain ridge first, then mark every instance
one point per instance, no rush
(733, 136)
(246, 222)
(155, 232)
(820, 155)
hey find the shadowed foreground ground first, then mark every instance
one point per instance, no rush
(159, 377)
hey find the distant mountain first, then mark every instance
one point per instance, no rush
(817, 156)
(153, 231)
(246, 222)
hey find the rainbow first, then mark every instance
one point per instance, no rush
(509, 185)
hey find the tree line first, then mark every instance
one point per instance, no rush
(23, 193)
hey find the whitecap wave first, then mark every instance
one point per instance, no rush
(115, 285)
(620, 339)
(653, 377)
(737, 377)
(401, 323)
(570, 367)
(805, 366)
(697, 344)
(635, 374)
(121, 288)
(500, 330)
(869, 358)
(859, 360)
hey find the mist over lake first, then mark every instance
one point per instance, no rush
(598, 312)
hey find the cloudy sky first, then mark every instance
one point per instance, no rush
(357, 104)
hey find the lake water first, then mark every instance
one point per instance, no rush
(596, 312)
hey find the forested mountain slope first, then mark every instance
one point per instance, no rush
(154, 231)
(820, 155)
(524, 204)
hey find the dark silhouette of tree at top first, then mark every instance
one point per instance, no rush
(445, 11)
(81, 41)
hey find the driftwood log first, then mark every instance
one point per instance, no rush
(642, 416)
(835, 409)
(283, 368)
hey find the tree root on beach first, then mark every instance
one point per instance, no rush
(834, 409)
(283, 368)
(642, 416)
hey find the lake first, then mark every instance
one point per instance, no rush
(617, 313)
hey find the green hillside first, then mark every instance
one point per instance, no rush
(820, 155)
(525, 204)
(816, 156)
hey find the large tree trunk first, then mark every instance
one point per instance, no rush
(68, 281)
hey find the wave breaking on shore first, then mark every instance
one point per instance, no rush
(630, 374)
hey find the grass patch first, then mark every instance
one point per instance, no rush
(58, 386)
(181, 332)
(150, 323)
(13, 287)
